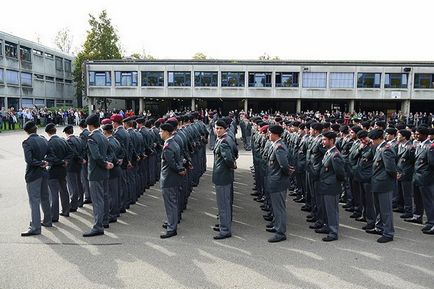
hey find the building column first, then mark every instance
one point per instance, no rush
(298, 107)
(351, 106)
(91, 101)
(246, 105)
(6, 103)
(141, 105)
(405, 107)
(193, 104)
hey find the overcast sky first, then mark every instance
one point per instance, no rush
(240, 29)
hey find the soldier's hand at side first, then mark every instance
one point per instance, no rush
(109, 165)
(182, 173)
(129, 166)
(44, 164)
(83, 161)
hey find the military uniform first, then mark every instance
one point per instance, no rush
(74, 171)
(405, 167)
(84, 135)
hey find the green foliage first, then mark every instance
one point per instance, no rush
(101, 43)
(199, 56)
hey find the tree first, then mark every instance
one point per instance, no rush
(63, 40)
(144, 56)
(101, 43)
(265, 56)
(199, 56)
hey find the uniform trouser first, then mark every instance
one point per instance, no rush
(124, 189)
(418, 202)
(58, 187)
(319, 208)
(307, 193)
(39, 196)
(158, 170)
(114, 197)
(152, 163)
(170, 197)
(300, 179)
(73, 182)
(369, 211)
(278, 201)
(212, 139)
(106, 197)
(85, 182)
(427, 193)
(96, 190)
(332, 213)
(346, 187)
(357, 196)
(312, 195)
(396, 200)
(223, 196)
(383, 209)
(406, 189)
(248, 143)
(145, 175)
(131, 186)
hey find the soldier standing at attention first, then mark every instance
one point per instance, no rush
(35, 148)
(84, 135)
(172, 171)
(97, 154)
(223, 178)
(278, 172)
(383, 177)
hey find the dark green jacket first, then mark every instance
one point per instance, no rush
(278, 168)
(383, 169)
(97, 154)
(171, 165)
(332, 173)
(224, 162)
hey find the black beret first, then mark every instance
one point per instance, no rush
(302, 126)
(276, 129)
(49, 127)
(356, 128)
(278, 119)
(287, 122)
(335, 127)
(362, 134)
(141, 120)
(391, 130)
(405, 133)
(376, 134)
(167, 127)
(423, 130)
(69, 129)
(92, 119)
(228, 120)
(366, 124)
(149, 123)
(326, 124)
(344, 129)
(108, 127)
(381, 124)
(127, 119)
(29, 125)
(296, 123)
(317, 126)
(340, 121)
(400, 126)
(220, 122)
(357, 120)
(330, 135)
(82, 123)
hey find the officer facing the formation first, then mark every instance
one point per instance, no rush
(172, 171)
(332, 173)
(98, 153)
(35, 149)
(383, 177)
(278, 172)
(223, 177)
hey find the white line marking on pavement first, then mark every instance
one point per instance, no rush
(302, 237)
(160, 249)
(305, 253)
(414, 253)
(234, 248)
(155, 197)
(424, 270)
(210, 215)
(363, 253)
(238, 183)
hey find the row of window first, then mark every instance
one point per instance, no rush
(12, 77)
(25, 54)
(260, 79)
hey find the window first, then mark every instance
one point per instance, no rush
(39, 77)
(341, 80)
(38, 52)
(423, 80)
(12, 77)
(2, 78)
(259, 79)
(179, 78)
(50, 103)
(11, 50)
(314, 79)
(49, 78)
(68, 81)
(203, 78)
(126, 78)
(26, 79)
(59, 63)
(59, 80)
(152, 78)
(233, 79)
(1, 47)
(286, 79)
(395, 80)
(67, 65)
(25, 54)
(26, 103)
(40, 102)
(100, 78)
(368, 80)
(49, 55)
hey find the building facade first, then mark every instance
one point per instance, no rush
(34, 75)
(286, 86)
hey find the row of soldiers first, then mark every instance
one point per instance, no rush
(109, 166)
(370, 166)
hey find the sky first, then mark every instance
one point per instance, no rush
(239, 29)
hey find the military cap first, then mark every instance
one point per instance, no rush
(400, 126)
(296, 124)
(49, 127)
(127, 119)
(405, 133)
(362, 134)
(161, 120)
(326, 124)
(167, 127)
(264, 128)
(376, 134)
(317, 126)
(302, 126)
(356, 128)
(92, 119)
(116, 118)
(29, 125)
(82, 123)
(344, 128)
(276, 129)
(335, 127)
(340, 121)
(381, 124)
(141, 120)
(392, 131)
(228, 120)
(278, 119)
(366, 124)
(330, 135)
(106, 121)
(108, 127)
(423, 130)
(220, 122)
(69, 129)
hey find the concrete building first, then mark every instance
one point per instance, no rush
(287, 86)
(33, 74)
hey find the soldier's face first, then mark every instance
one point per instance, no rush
(219, 131)
(327, 143)
(164, 134)
(365, 141)
(389, 137)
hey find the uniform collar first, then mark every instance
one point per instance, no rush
(330, 149)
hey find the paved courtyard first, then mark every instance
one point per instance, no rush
(131, 254)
